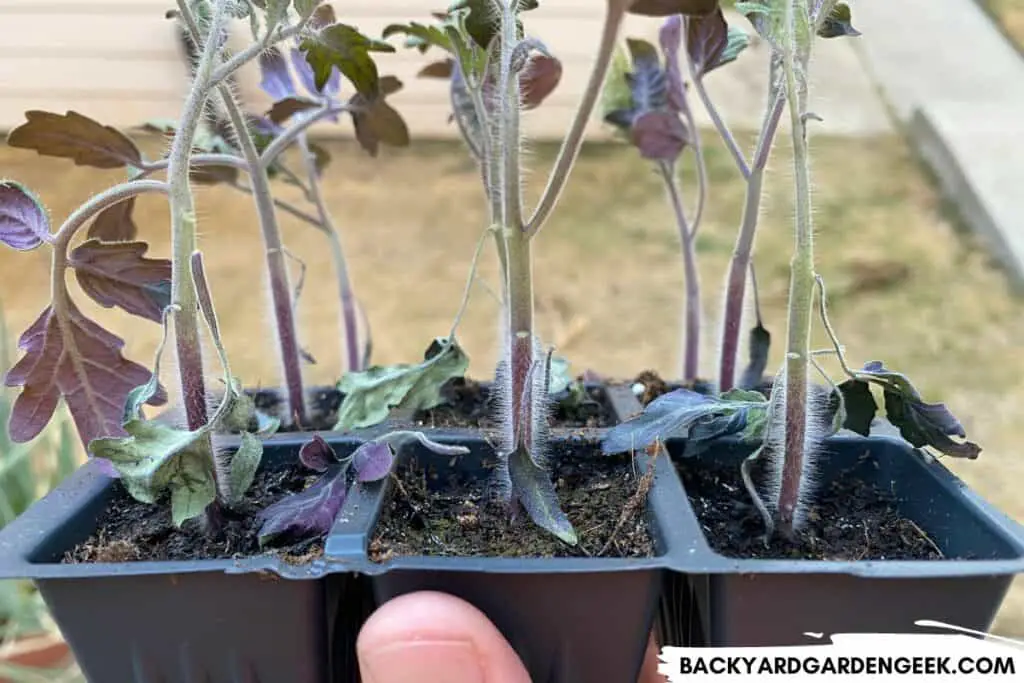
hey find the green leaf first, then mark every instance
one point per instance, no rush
(560, 379)
(244, 464)
(860, 406)
(420, 36)
(737, 42)
(306, 8)
(192, 495)
(838, 23)
(480, 21)
(532, 487)
(345, 48)
(371, 394)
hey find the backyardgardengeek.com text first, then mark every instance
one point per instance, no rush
(840, 665)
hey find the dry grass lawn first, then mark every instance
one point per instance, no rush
(906, 286)
(1009, 13)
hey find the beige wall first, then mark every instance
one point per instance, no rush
(117, 60)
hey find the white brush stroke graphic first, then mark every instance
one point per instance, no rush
(960, 656)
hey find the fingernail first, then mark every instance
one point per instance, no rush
(422, 661)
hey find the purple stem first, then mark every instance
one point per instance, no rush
(692, 316)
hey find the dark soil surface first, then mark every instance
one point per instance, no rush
(850, 520)
(323, 407)
(603, 498)
(469, 405)
(654, 386)
(129, 531)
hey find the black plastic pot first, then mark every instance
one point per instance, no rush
(216, 621)
(713, 600)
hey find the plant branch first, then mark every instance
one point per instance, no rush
(285, 206)
(692, 310)
(719, 123)
(736, 281)
(277, 267)
(469, 282)
(614, 13)
(251, 52)
(299, 126)
(354, 360)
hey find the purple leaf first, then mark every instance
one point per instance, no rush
(275, 79)
(647, 80)
(308, 514)
(706, 41)
(539, 79)
(78, 360)
(77, 137)
(317, 455)
(372, 461)
(23, 222)
(282, 110)
(119, 274)
(659, 135)
(115, 223)
(671, 36)
(442, 69)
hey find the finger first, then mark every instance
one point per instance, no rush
(434, 638)
(649, 670)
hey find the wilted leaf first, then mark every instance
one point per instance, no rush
(442, 69)
(317, 455)
(275, 79)
(372, 461)
(402, 438)
(76, 137)
(665, 8)
(838, 23)
(308, 514)
(244, 463)
(532, 487)
(659, 135)
(921, 424)
(860, 406)
(118, 274)
(345, 48)
(154, 458)
(760, 344)
(82, 363)
(115, 223)
(23, 221)
(371, 394)
(674, 414)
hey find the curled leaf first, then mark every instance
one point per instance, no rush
(538, 80)
(860, 406)
(371, 394)
(119, 274)
(23, 221)
(76, 137)
(372, 461)
(317, 455)
(308, 514)
(403, 438)
(838, 23)
(676, 414)
(242, 467)
(711, 43)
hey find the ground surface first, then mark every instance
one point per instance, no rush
(1009, 13)
(906, 286)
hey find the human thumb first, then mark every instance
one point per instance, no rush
(434, 638)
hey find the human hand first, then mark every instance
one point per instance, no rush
(432, 637)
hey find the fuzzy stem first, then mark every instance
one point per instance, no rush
(299, 127)
(692, 314)
(251, 52)
(736, 282)
(719, 123)
(183, 229)
(277, 267)
(802, 280)
(519, 265)
(353, 359)
(571, 145)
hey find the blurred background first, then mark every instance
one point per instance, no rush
(912, 282)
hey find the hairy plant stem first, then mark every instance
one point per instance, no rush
(183, 242)
(518, 259)
(736, 282)
(183, 228)
(354, 360)
(692, 308)
(277, 266)
(614, 13)
(802, 279)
